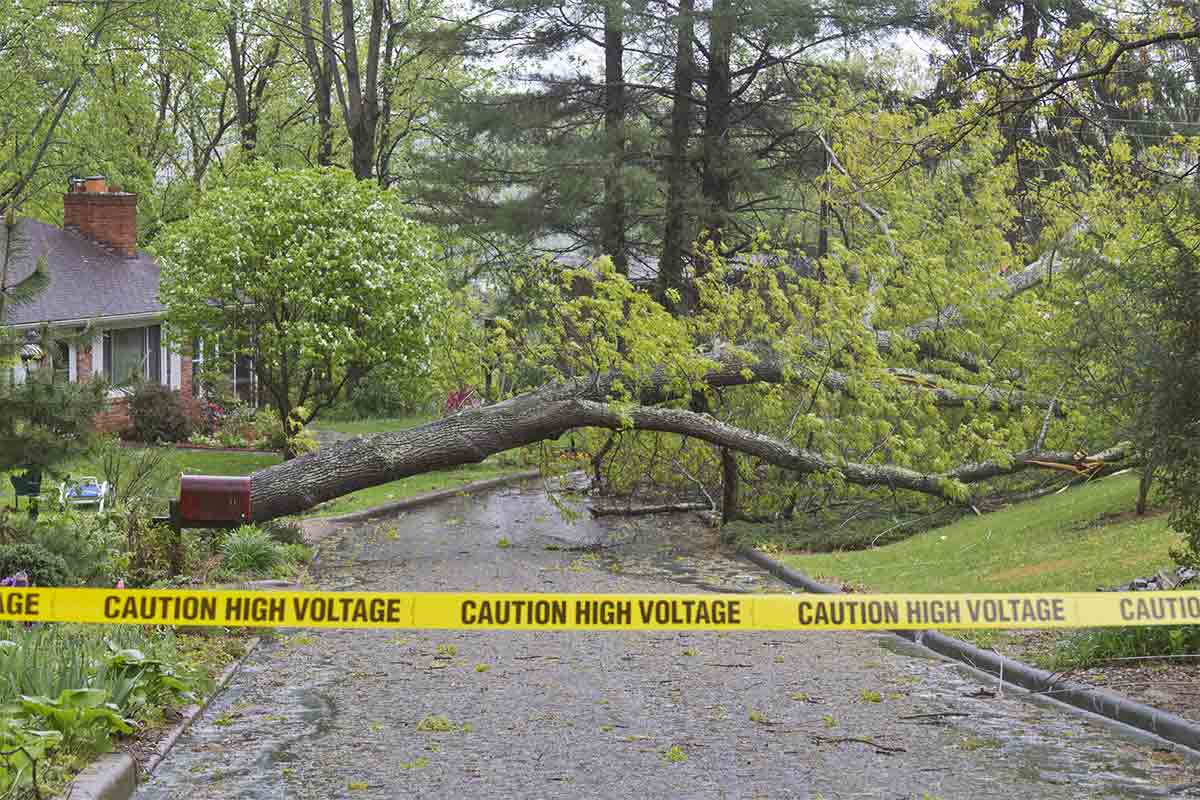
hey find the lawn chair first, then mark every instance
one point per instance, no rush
(83, 492)
(27, 484)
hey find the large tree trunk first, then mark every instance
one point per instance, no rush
(612, 233)
(471, 436)
(675, 231)
(717, 183)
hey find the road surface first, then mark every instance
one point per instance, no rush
(465, 714)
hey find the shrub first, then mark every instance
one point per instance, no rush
(88, 545)
(158, 414)
(284, 531)
(43, 567)
(303, 442)
(250, 550)
(295, 554)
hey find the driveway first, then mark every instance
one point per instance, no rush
(457, 714)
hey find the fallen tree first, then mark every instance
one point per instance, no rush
(543, 415)
(546, 413)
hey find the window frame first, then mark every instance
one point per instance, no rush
(168, 362)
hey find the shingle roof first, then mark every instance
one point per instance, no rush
(86, 281)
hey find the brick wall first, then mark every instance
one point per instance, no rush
(107, 218)
(185, 385)
(115, 417)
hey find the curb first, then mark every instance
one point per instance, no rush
(418, 500)
(192, 712)
(111, 777)
(1165, 725)
(114, 776)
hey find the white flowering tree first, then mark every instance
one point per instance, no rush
(313, 274)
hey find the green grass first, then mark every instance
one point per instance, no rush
(417, 484)
(175, 461)
(209, 462)
(361, 427)
(1066, 542)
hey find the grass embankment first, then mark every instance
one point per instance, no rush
(1079, 540)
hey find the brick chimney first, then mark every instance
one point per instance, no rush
(102, 213)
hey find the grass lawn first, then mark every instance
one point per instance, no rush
(1079, 540)
(361, 427)
(208, 462)
(175, 461)
(417, 484)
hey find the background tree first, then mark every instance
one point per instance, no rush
(308, 272)
(42, 423)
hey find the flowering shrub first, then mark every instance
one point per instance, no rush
(460, 399)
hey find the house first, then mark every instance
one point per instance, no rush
(101, 303)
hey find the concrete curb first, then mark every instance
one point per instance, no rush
(428, 498)
(193, 712)
(1165, 725)
(114, 776)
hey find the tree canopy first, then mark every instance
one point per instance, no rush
(314, 274)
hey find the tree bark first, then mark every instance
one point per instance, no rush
(640, 511)
(321, 66)
(1144, 484)
(717, 183)
(729, 485)
(675, 231)
(249, 85)
(360, 102)
(612, 233)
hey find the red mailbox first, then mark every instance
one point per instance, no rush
(207, 501)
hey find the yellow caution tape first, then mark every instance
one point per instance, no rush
(473, 610)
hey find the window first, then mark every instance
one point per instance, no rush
(61, 357)
(132, 354)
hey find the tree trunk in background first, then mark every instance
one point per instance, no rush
(360, 99)
(249, 86)
(717, 182)
(321, 66)
(612, 227)
(1144, 484)
(729, 485)
(675, 232)
(1021, 127)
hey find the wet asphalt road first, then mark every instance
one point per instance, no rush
(338, 714)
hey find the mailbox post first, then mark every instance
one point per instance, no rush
(207, 501)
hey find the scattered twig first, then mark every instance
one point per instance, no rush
(637, 511)
(881, 749)
(936, 715)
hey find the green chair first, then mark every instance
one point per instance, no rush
(27, 484)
